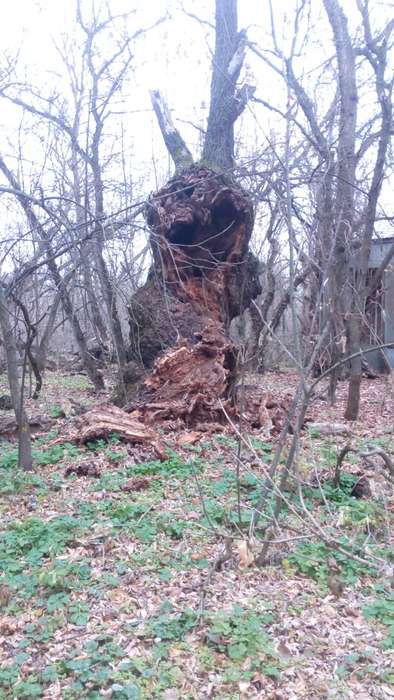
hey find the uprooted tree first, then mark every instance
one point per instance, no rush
(202, 274)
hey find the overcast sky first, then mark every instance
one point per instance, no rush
(174, 56)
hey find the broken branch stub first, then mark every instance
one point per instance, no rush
(176, 146)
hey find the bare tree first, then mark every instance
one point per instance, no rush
(96, 69)
(24, 445)
(340, 224)
(59, 282)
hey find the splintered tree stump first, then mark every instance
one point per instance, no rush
(191, 381)
(202, 276)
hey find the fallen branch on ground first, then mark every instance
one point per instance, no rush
(103, 421)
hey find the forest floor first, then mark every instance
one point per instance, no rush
(110, 585)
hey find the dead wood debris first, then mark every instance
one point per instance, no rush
(261, 409)
(102, 421)
(84, 469)
(190, 382)
(195, 399)
(139, 483)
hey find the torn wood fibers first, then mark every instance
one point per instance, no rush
(200, 225)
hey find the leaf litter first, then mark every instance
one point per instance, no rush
(116, 581)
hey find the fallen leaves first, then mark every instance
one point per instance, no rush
(335, 585)
(5, 595)
(189, 438)
(8, 626)
(313, 633)
(330, 428)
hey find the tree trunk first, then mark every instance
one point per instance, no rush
(344, 303)
(200, 279)
(43, 345)
(202, 275)
(24, 457)
(227, 103)
(353, 346)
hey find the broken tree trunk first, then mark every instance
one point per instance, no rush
(202, 276)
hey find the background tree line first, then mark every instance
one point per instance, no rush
(314, 152)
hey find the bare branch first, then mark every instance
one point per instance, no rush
(174, 142)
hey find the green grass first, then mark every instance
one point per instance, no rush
(78, 382)
(382, 609)
(310, 558)
(56, 411)
(18, 482)
(27, 542)
(41, 456)
(60, 568)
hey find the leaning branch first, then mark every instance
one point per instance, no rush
(174, 142)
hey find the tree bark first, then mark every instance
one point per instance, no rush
(200, 279)
(227, 102)
(31, 334)
(343, 296)
(25, 460)
(202, 274)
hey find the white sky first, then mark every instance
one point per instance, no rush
(174, 57)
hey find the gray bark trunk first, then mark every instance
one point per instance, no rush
(344, 307)
(24, 446)
(226, 103)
